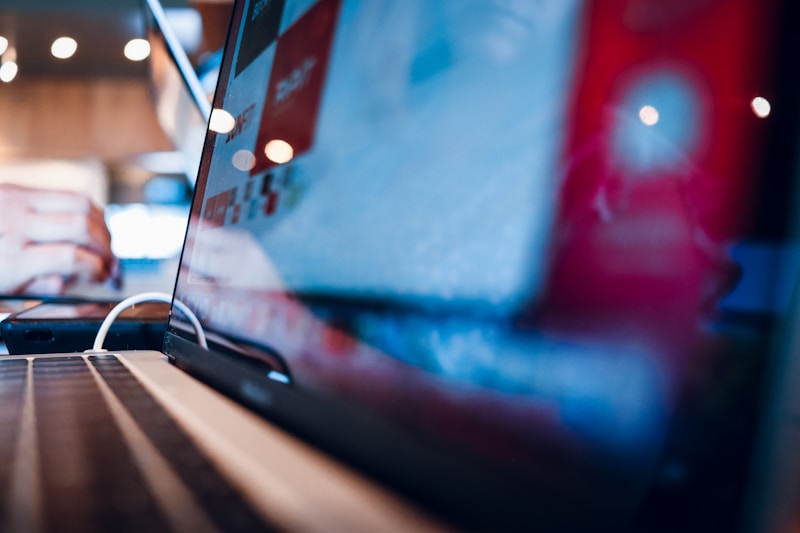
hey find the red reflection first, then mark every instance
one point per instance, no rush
(647, 253)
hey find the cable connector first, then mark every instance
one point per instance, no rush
(141, 298)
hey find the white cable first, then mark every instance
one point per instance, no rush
(147, 297)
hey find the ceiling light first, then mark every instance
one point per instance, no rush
(279, 151)
(137, 49)
(648, 115)
(3, 45)
(8, 71)
(221, 121)
(761, 107)
(64, 47)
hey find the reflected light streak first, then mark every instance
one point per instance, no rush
(761, 107)
(244, 160)
(279, 151)
(221, 121)
(8, 71)
(3, 45)
(648, 115)
(137, 50)
(64, 47)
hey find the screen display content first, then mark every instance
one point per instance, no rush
(520, 232)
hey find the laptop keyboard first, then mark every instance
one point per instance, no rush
(83, 457)
(13, 374)
(88, 476)
(225, 507)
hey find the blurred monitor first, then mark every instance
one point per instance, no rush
(182, 105)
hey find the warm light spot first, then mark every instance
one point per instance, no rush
(648, 115)
(279, 151)
(244, 160)
(761, 107)
(3, 45)
(8, 71)
(137, 49)
(64, 47)
(221, 121)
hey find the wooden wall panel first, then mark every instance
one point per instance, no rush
(109, 119)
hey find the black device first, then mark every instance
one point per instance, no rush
(71, 327)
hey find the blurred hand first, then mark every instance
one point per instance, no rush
(51, 239)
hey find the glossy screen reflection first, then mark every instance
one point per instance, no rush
(485, 231)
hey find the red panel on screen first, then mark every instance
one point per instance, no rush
(295, 86)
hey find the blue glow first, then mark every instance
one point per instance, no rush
(279, 377)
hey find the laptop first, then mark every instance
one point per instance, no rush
(459, 266)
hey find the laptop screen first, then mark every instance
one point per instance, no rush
(526, 233)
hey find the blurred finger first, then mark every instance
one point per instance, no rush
(55, 201)
(23, 202)
(49, 285)
(73, 228)
(63, 259)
